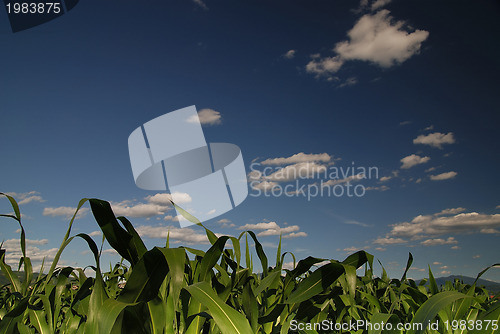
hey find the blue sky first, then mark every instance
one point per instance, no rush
(408, 87)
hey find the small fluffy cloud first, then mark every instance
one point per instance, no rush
(272, 228)
(443, 176)
(436, 139)
(297, 158)
(389, 241)
(95, 233)
(225, 223)
(207, 117)
(290, 54)
(65, 211)
(413, 160)
(378, 39)
(324, 66)
(439, 241)
(27, 197)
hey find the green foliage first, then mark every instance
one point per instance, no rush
(185, 290)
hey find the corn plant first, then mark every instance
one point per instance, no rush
(186, 290)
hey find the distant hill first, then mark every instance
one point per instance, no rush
(491, 286)
(4, 280)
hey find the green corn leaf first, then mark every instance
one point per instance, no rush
(108, 314)
(146, 278)
(490, 317)
(157, 310)
(211, 257)
(227, 319)
(13, 279)
(211, 235)
(315, 283)
(260, 252)
(408, 265)
(37, 319)
(432, 306)
(10, 320)
(118, 238)
(136, 239)
(433, 288)
(176, 260)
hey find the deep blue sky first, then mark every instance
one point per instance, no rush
(73, 89)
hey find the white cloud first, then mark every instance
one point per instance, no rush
(272, 228)
(455, 247)
(381, 249)
(297, 158)
(379, 3)
(351, 249)
(207, 117)
(138, 210)
(95, 233)
(65, 211)
(430, 127)
(324, 66)
(155, 205)
(443, 176)
(439, 241)
(164, 199)
(25, 198)
(353, 178)
(445, 272)
(379, 188)
(452, 211)
(351, 81)
(186, 235)
(385, 178)
(436, 139)
(288, 265)
(295, 235)
(201, 4)
(301, 170)
(225, 223)
(489, 231)
(389, 241)
(436, 263)
(377, 39)
(432, 225)
(13, 252)
(290, 54)
(476, 256)
(413, 160)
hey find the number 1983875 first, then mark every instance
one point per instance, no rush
(33, 8)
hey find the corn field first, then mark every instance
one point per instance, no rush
(186, 290)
